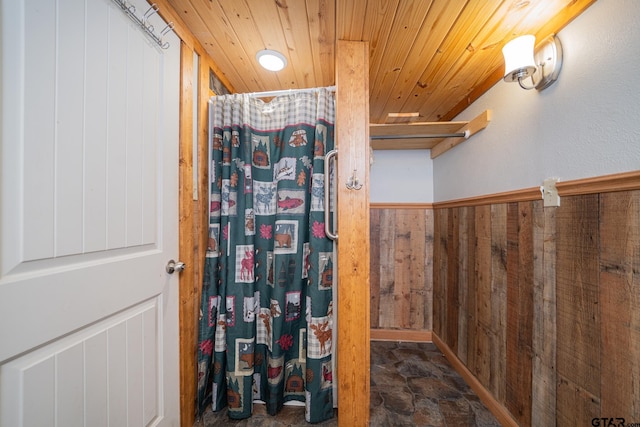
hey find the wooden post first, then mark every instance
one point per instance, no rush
(187, 303)
(193, 220)
(352, 136)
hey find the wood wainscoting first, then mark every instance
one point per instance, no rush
(401, 238)
(542, 305)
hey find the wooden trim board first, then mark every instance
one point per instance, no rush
(474, 126)
(499, 411)
(401, 205)
(400, 335)
(526, 194)
(602, 184)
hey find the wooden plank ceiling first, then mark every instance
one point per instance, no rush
(430, 57)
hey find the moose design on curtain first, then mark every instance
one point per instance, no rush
(267, 311)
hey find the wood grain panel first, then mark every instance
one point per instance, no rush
(193, 220)
(187, 242)
(483, 293)
(376, 265)
(350, 26)
(619, 302)
(455, 50)
(386, 316)
(428, 268)
(386, 67)
(416, 269)
(483, 264)
(404, 259)
(569, 315)
(525, 306)
(321, 17)
(519, 310)
(498, 300)
(427, 57)
(452, 279)
(439, 271)
(472, 313)
(401, 268)
(463, 282)
(578, 348)
(471, 47)
(294, 32)
(186, 34)
(575, 405)
(352, 134)
(425, 49)
(404, 335)
(543, 393)
(297, 37)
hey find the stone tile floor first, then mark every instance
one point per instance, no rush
(412, 384)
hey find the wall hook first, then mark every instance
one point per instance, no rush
(143, 21)
(353, 183)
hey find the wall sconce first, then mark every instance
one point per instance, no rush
(271, 60)
(542, 65)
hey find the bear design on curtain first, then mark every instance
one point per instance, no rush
(267, 311)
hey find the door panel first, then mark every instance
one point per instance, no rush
(88, 217)
(117, 359)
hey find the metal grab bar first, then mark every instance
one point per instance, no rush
(327, 194)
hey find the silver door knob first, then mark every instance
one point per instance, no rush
(173, 266)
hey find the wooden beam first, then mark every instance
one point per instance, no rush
(188, 325)
(474, 126)
(352, 136)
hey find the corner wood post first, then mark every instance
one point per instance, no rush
(352, 140)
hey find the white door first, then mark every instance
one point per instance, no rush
(88, 217)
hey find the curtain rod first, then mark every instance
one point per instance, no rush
(289, 91)
(464, 134)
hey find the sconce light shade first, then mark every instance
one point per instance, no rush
(518, 58)
(271, 60)
(542, 65)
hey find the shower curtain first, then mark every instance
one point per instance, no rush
(267, 312)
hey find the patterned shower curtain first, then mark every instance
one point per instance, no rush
(267, 312)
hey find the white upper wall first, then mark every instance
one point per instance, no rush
(401, 176)
(586, 124)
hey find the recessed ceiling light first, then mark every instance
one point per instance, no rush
(271, 60)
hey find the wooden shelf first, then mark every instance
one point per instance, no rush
(406, 136)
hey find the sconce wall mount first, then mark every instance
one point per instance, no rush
(541, 65)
